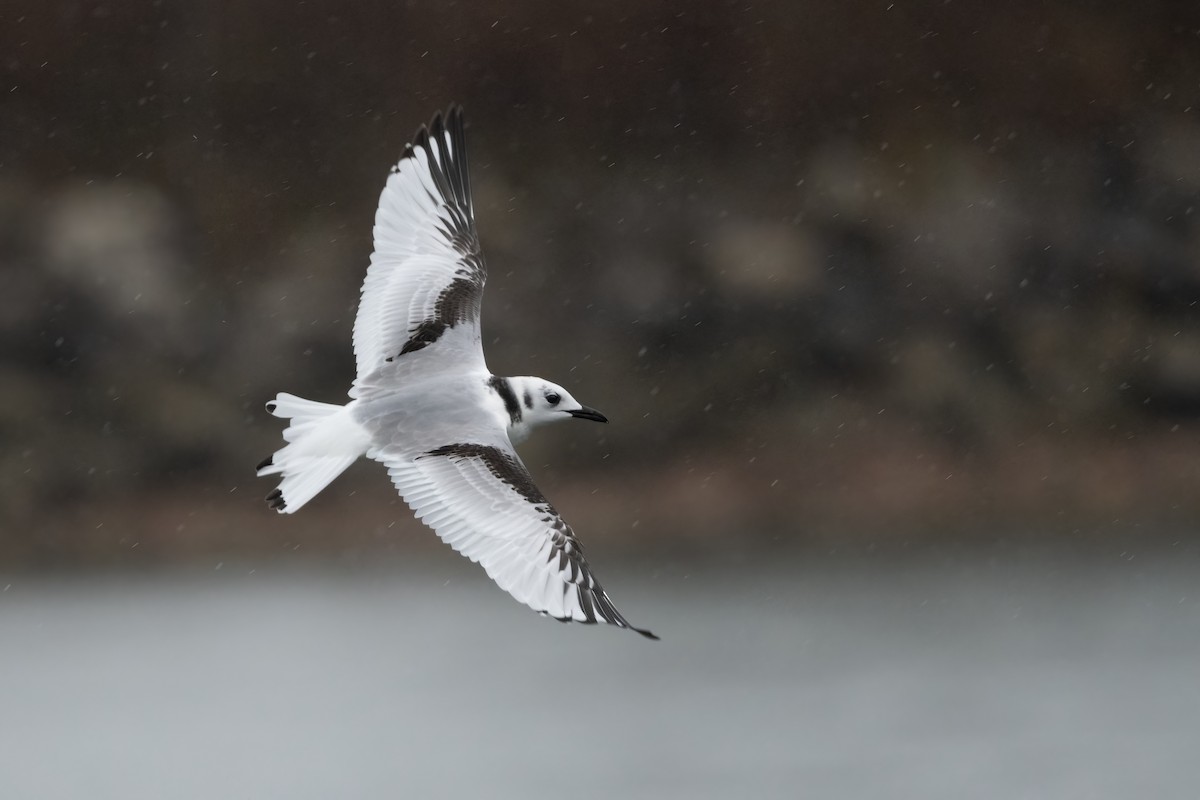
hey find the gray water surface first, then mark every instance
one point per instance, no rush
(933, 680)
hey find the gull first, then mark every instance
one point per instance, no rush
(425, 405)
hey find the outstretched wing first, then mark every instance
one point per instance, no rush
(422, 294)
(481, 500)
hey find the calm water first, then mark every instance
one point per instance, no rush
(1009, 678)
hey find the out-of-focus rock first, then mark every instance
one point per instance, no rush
(762, 261)
(119, 245)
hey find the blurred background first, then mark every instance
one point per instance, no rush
(892, 307)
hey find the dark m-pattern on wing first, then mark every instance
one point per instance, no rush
(425, 334)
(503, 466)
(460, 301)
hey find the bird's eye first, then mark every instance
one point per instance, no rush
(553, 398)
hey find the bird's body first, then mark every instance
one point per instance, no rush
(425, 404)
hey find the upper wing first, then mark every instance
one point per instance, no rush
(422, 294)
(481, 500)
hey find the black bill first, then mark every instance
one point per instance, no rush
(588, 413)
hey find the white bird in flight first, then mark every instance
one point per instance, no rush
(425, 404)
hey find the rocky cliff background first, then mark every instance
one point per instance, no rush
(854, 275)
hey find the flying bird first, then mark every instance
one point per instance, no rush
(426, 406)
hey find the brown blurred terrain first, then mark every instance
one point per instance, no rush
(856, 272)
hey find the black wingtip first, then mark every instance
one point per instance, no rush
(624, 626)
(437, 127)
(271, 407)
(454, 115)
(266, 462)
(645, 633)
(275, 500)
(420, 141)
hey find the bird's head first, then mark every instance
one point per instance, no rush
(540, 401)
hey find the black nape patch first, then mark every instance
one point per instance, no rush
(275, 500)
(504, 466)
(503, 387)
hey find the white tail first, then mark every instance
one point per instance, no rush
(323, 440)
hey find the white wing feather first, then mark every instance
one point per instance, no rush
(427, 272)
(481, 501)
